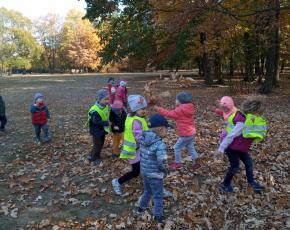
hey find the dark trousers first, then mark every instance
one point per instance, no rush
(130, 175)
(38, 128)
(3, 121)
(98, 143)
(234, 159)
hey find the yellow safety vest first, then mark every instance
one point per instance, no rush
(255, 127)
(103, 112)
(129, 144)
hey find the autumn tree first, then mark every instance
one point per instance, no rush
(18, 47)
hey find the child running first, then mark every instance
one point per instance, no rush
(98, 119)
(117, 118)
(153, 153)
(183, 114)
(134, 126)
(242, 129)
(40, 115)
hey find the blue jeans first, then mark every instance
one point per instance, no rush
(153, 187)
(38, 129)
(234, 159)
(188, 143)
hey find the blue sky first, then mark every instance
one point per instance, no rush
(36, 8)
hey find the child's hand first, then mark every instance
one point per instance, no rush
(116, 127)
(155, 107)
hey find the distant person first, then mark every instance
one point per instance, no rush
(40, 115)
(121, 92)
(117, 118)
(3, 119)
(111, 86)
(98, 120)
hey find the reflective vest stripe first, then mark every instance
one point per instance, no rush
(129, 143)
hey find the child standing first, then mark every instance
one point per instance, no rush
(3, 119)
(121, 92)
(111, 89)
(134, 126)
(183, 114)
(153, 153)
(98, 119)
(117, 118)
(241, 132)
(40, 116)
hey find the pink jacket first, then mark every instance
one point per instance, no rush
(184, 117)
(121, 93)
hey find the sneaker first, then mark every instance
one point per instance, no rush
(159, 219)
(140, 211)
(166, 193)
(38, 141)
(257, 187)
(117, 187)
(175, 166)
(115, 156)
(46, 139)
(196, 166)
(97, 162)
(89, 158)
(224, 188)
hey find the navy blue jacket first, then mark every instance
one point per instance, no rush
(117, 120)
(97, 125)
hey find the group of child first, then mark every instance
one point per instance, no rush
(142, 139)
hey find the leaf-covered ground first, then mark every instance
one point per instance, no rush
(52, 186)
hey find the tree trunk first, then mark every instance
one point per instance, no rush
(218, 67)
(249, 75)
(205, 62)
(232, 65)
(257, 54)
(273, 49)
(282, 66)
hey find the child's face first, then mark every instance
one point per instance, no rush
(118, 111)
(162, 131)
(224, 108)
(105, 101)
(40, 102)
(141, 112)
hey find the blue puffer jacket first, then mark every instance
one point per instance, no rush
(153, 153)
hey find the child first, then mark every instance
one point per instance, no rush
(121, 92)
(153, 153)
(40, 116)
(111, 89)
(98, 119)
(134, 126)
(183, 114)
(237, 143)
(117, 119)
(3, 119)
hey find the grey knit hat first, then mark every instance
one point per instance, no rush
(38, 96)
(136, 102)
(101, 94)
(184, 97)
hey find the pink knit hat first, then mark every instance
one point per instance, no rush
(228, 102)
(117, 104)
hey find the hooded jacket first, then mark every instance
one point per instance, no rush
(153, 152)
(184, 118)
